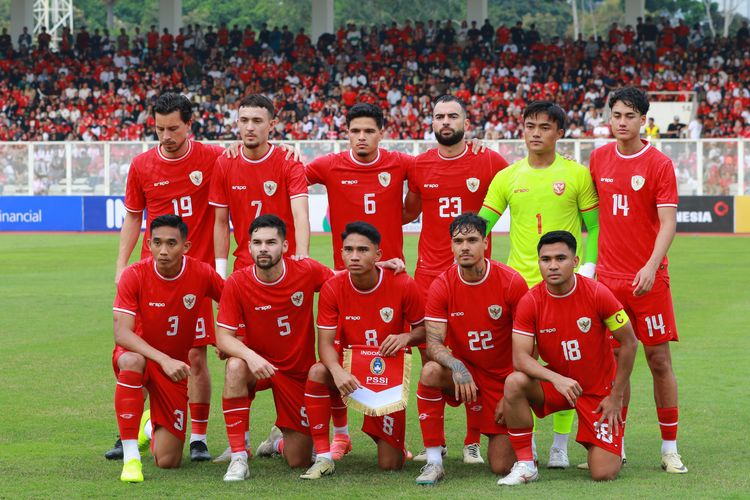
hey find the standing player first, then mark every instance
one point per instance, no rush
(174, 178)
(444, 183)
(638, 194)
(469, 317)
(155, 311)
(261, 180)
(274, 298)
(365, 305)
(567, 317)
(545, 192)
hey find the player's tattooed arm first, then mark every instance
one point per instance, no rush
(466, 389)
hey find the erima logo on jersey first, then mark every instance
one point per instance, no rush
(352, 318)
(431, 186)
(161, 183)
(157, 304)
(607, 179)
(457, 313)
(548, 330)
(239, 188)
(349, 182)
(262, 308)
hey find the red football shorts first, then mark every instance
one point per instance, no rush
(652, 314)
(390, 428)
(490, 392)
(168, 400)
(205, 331)
(289, 399)
(589, 431)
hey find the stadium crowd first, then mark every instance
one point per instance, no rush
(100, 85)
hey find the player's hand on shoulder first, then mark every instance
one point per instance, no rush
(644, 281)
(345, 382)
(233, 150)
(118, 274)
(478, 146)
(611, 410)
(175, 369)
(569, 388)
(300, 256)
(396, 264)
(394, 343)
(291, 151)
(499, 415)
(259, 367)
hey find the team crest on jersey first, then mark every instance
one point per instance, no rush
(473, 184)
(637, 182)
(386, 314)
(495, 311)
(558, 188)
(384, 178)
(584, 324)
(297, 298)
(269, 187)
(189, 301)
(196, 177)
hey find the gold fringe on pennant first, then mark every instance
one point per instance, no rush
(381, 410)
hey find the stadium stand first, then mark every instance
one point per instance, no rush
(99, 86)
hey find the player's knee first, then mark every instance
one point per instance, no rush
(318, 373)
(132, 361)
(197, 358)
(169, 461)
(235, 373)
(298, 460)
(515, 383)
(604, 475)
(500, 467)
(660, 363)
(430, 373)
(390, 463)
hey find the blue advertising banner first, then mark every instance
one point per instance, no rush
(41, 213)
(105, 213)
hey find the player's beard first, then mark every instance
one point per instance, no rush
(451, 140)
(266, 265)
(251, 144)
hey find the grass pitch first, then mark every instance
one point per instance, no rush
(56, 391)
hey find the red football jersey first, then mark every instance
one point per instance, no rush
(449, 187)
(369, 192)
(279, 315)
(162, 185)
(631, 189)
(570, 331)
(251, 188)
(479, 315)
(367, 317)
(167, 310)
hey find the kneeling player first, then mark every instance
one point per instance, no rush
(568, 317)
(274, 299)
(469, 318)
(365, 305)
(155, 313)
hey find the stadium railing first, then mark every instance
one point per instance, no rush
(703, 167)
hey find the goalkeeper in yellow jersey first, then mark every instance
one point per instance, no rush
(545, 192)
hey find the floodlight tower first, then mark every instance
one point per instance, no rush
(54, 15)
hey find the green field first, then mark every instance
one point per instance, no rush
(56, 390)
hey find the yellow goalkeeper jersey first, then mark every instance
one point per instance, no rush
(540, 200)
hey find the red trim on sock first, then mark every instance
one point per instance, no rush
(520, 439)
(668, 419)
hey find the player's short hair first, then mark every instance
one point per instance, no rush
(170, 220)
(258, 101)
(450, 98)
(269, 220)
(632, 97)
(557, 237)
(363, 228)
(549, 108)
(169, 102)
(365, 110)
(467, 222)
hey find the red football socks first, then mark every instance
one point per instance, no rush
(431, 408)
(473, 419)
(520, 440)
(668, 423)
(199, 417)
(318, 404)
(129, 403)
(237, 420)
